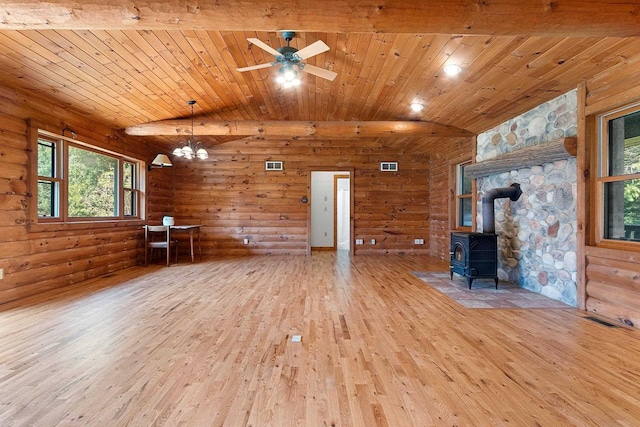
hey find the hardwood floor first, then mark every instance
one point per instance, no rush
(210, 344)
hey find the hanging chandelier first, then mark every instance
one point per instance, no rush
(191, 148)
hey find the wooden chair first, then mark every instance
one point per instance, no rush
(159, 237)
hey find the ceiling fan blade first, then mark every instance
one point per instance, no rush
(262, 45)
(312, 50)
(255, 67)
(320, 72)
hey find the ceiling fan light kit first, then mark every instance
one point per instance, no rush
(289, 58)
(288, 77)
(191, 148)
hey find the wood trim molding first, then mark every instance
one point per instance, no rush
(558, 149)
(584, 195)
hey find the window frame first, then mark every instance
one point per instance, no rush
(603, 177)
(55, 179)
(457, 196)
(135, 189)
(62, 144)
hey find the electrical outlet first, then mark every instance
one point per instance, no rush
(373, 241)
(1, 273)
(245, 241)
(418, 241)
(296, 338)
(359, 242)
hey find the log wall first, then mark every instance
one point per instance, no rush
(231, 194)
(235, 198)
(610, 272)
(38, 258)
(442, 193)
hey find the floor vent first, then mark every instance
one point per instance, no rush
(602, 322)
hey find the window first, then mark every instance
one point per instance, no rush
(464, 198)
(619, 177)
(131, 189)
(48, 178)
(79, 182)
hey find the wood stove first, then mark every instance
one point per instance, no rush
(475, 256)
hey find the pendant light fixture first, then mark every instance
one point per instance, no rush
(191, 148)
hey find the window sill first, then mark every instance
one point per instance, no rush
(628, 245)
(84, 225)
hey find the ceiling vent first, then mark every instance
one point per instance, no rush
(273, 165)
(389, 166)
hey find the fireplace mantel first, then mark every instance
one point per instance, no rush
(557, 149)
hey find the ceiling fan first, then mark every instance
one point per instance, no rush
(291, 59)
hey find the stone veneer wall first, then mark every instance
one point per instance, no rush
(537, 233)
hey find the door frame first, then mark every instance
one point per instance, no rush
(335, 208)
(335, 169)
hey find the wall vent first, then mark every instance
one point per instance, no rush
(273, 165)
(389, 166)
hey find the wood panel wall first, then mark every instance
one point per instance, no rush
(235, 198)
(37, 258)
(442, 192)
(611, 272)
(612, 284)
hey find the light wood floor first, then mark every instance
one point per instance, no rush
(210, 344)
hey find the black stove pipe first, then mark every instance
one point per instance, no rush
(488, 215)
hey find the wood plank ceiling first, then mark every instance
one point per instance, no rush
(126, 77)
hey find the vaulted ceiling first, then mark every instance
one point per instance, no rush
(125, 71)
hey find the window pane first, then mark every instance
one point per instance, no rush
(47, 199)
(93, 184)
(465, 183)
(129, 175)
(622, 210)
(624, 145)
(46, 158)
(464, 212)
(129, 203)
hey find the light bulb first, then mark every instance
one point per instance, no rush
(290, 74)
(417, 107)
(187, 150)
(295, 82)
(178, 152)
(280, 79)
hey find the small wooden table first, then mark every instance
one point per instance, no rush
(191, 229)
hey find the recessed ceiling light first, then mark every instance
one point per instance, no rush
(452, 69)
(417, 107)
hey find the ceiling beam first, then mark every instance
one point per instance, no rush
(298, 129)
(495, 17)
